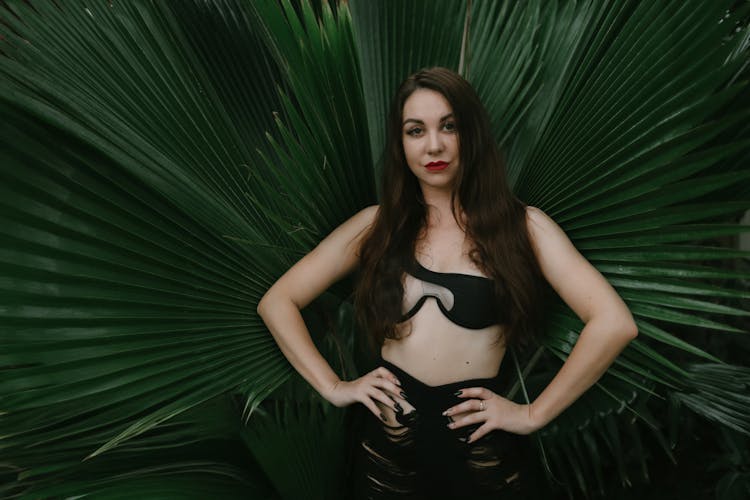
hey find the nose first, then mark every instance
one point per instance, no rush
(434, 142)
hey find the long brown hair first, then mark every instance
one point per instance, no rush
(495, 220)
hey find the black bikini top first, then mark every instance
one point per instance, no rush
(465, 299)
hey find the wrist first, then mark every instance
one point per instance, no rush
(536, 417)
(328, 390)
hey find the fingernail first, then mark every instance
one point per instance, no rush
(398, 383)
(383, 417)
(403, 395)
(457, 393)
(450, 419)
(398, 408)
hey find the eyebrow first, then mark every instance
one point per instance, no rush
(442, 119)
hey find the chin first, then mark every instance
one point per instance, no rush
(438, 185)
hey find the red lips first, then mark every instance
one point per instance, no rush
(436, 165)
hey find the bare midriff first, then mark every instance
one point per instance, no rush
(437, 351)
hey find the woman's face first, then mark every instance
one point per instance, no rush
(430, 139)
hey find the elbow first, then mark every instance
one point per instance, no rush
(263, 305)
(275, 299)
(259, 309)
(631, 331)
(629, 328)
(620, 325)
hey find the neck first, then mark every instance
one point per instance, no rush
(439, 213)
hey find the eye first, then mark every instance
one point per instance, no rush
(449, 126)
(414, 131)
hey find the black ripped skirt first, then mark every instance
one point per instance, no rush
(418, 457)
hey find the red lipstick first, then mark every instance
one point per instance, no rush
(434, 166)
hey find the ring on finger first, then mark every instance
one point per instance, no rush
(481, 405)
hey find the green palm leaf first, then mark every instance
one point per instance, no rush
(289, 442)
(393, 39)
(116, 253)
(162, 164)
(194, 455)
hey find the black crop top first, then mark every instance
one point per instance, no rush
(474, 303)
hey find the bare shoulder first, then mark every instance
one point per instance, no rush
(554, 251)
(535, 214)
(367, 215)
(541, 228)
(341, 247)
(334, 257)
(356, 227)
(577, 282)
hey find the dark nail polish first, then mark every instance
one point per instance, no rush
(450, 419)
(457, 393)
(383, 418)
(403, 395)
(398, 408)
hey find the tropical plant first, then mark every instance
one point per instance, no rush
(161, 163)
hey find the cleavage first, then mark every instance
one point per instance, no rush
(415, 289)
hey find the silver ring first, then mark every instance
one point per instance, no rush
(481, 405)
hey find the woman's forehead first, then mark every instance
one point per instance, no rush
(426, 105)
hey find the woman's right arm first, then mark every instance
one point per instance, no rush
(335, 257)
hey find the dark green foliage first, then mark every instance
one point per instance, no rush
(162, 163)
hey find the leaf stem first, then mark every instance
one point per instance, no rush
(463, 61)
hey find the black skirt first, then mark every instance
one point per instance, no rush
(419, 457)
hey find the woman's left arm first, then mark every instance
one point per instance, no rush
(609, 327)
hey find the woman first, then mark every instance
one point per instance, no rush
(450, 277)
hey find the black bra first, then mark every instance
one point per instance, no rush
(474, 303)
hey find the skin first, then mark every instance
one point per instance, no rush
(609, 327)
(429, 339)
(429, 135)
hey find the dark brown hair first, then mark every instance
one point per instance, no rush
(495, 220)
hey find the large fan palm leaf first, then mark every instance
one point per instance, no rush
(161, 165)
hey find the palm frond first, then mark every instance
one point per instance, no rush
(160, 166)
(720, 393)
(288, 442)
(324, 173)
(120, 182)
(194, 455)
(505, 61)
(393, 40)
(179, 480)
